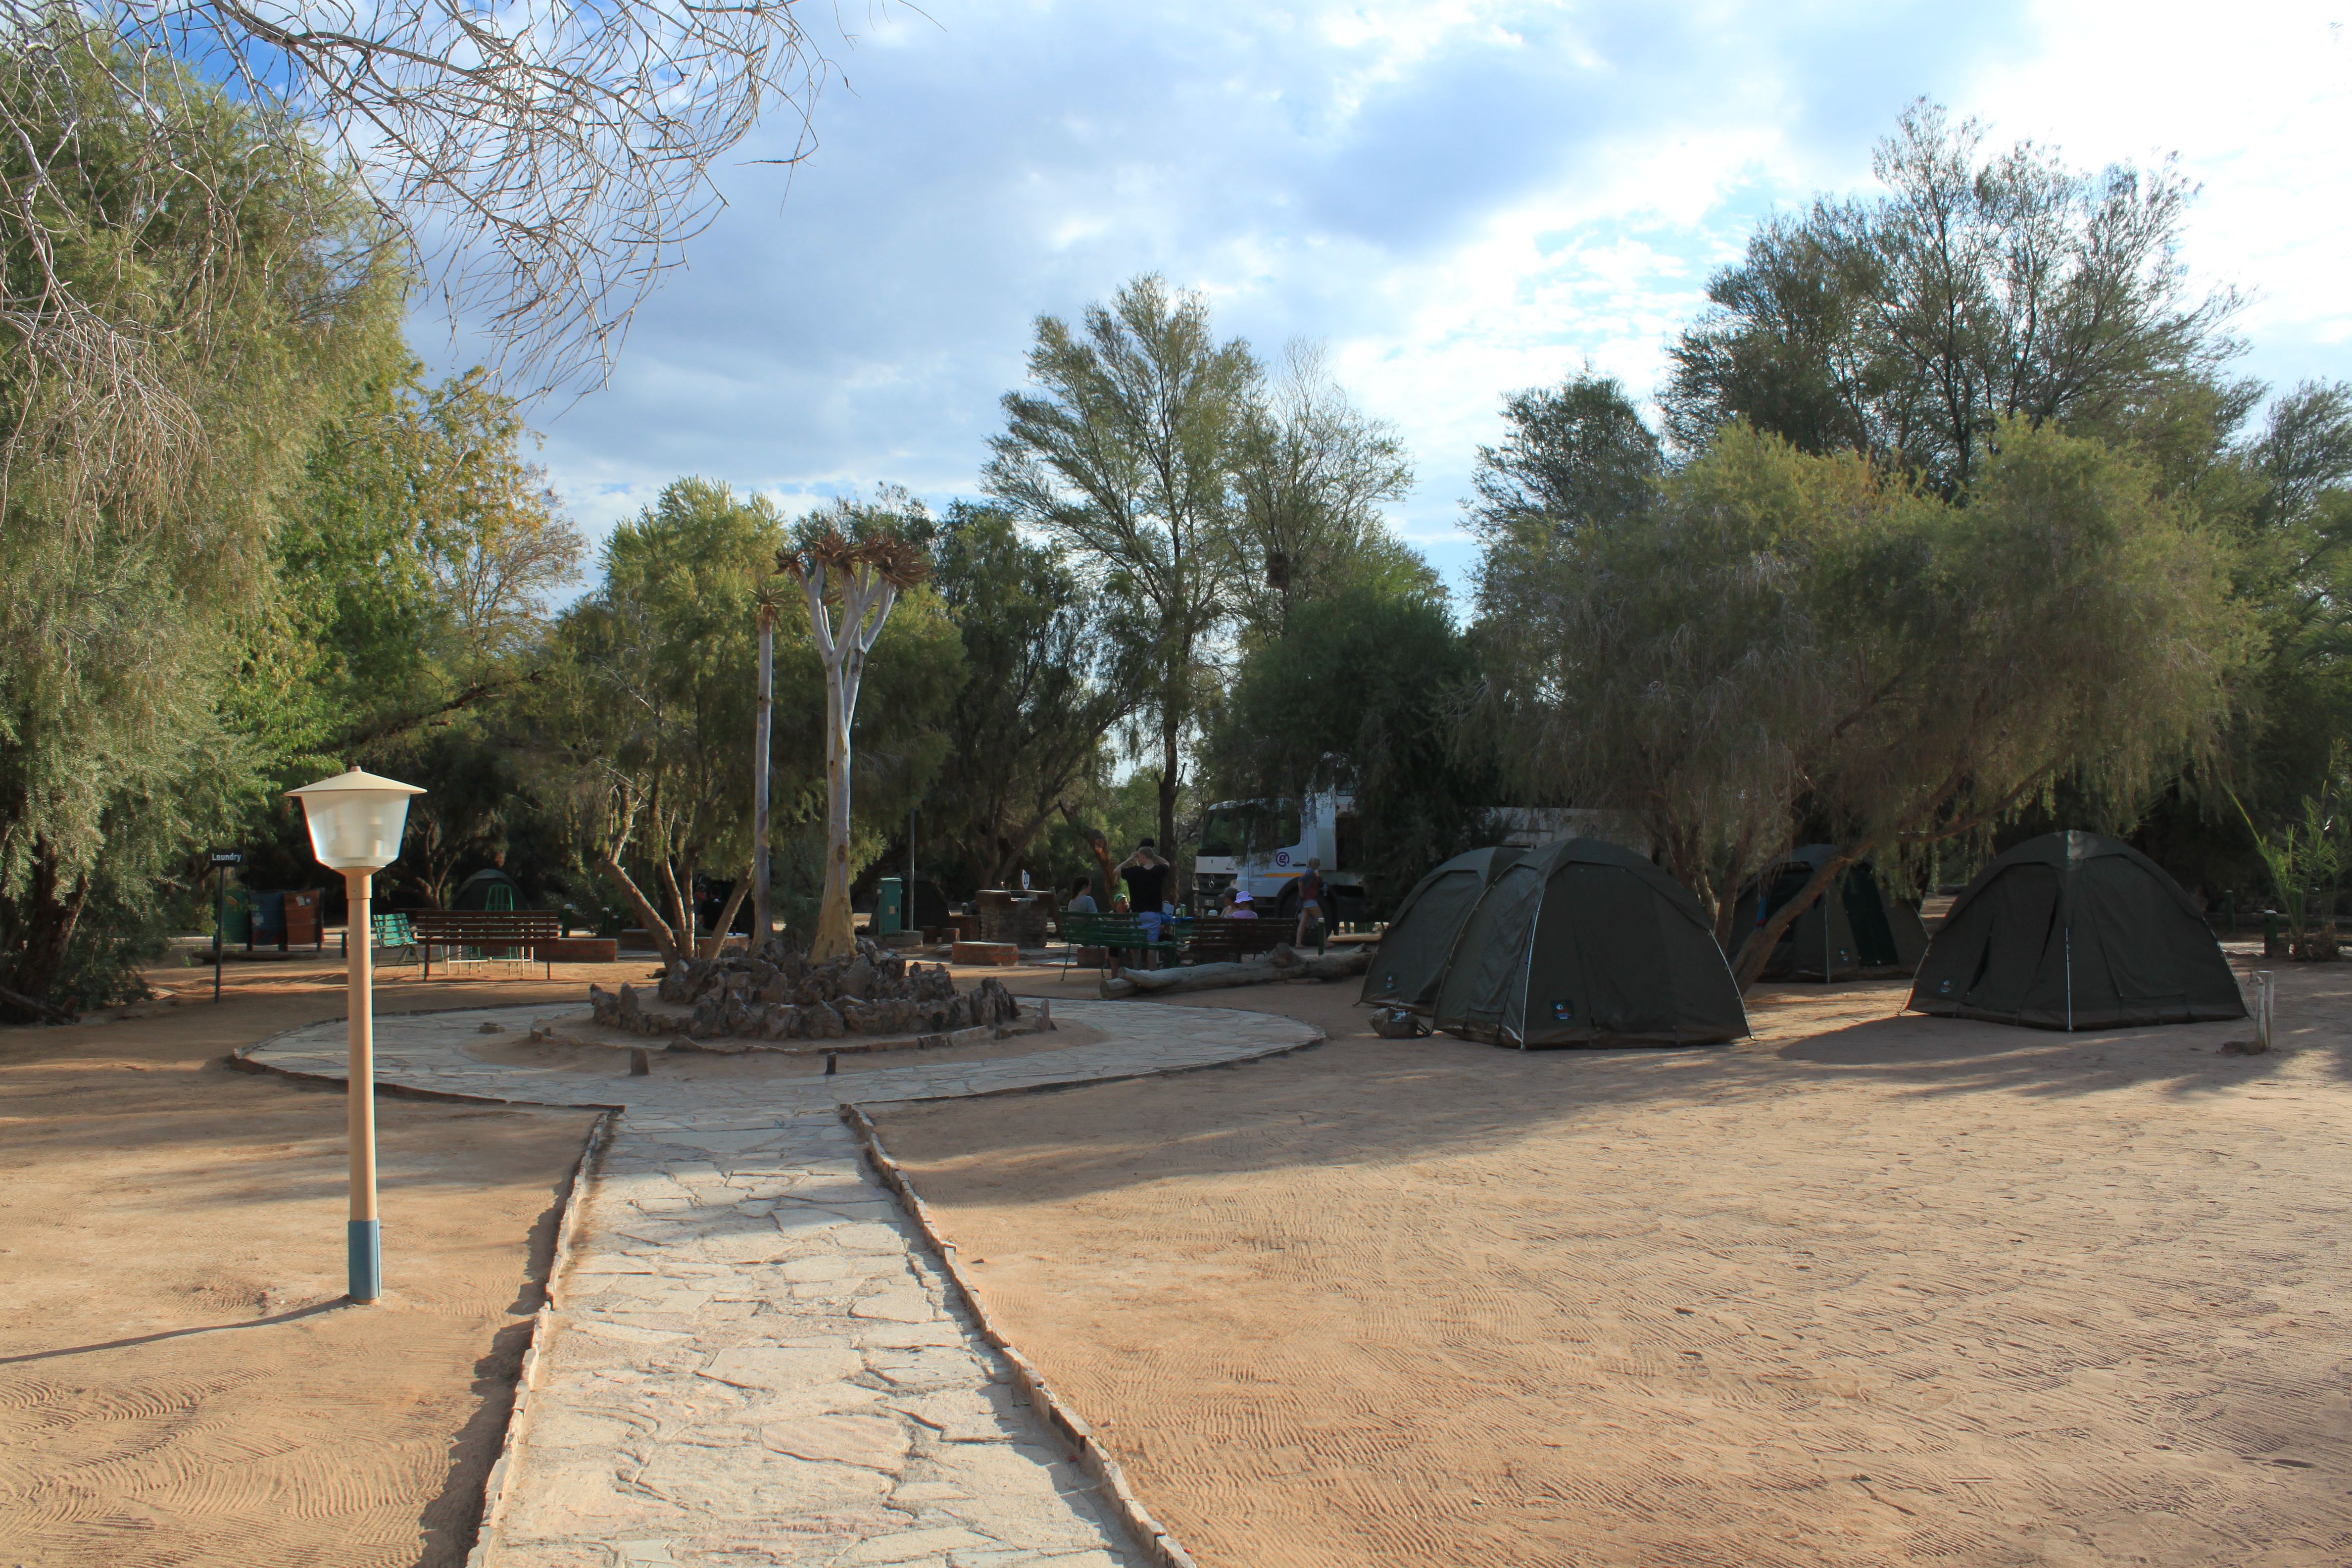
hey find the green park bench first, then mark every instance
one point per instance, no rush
(1212, 938)
(1112, 933)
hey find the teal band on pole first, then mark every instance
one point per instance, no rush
(363, 1242)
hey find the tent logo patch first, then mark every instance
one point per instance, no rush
(1563, 1011)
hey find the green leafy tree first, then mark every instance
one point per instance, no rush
(420, 556)
(135, 535)
(1310, 475)
(1576, 456)
(640, 736)
(1898, 669)
(1981, 288)
(1124, 457)
(646, 720)
(1046, 680)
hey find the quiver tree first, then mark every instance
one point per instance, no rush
(863, 578)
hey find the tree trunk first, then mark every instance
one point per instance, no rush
(681, 906)
(1284, 963)
(835, 926)
(1101, 848)
(1180, 884)
(52, 913)
(711, 945)
(762, 900)
(1758, 952)
(666, 940)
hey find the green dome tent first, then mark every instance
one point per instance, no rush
(2071, 931)
(1585, 943)
(1420, 935)
(1856, 930)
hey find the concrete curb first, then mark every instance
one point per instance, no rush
(1156, 1542)
(567, 1228)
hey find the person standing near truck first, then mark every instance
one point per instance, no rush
(1146, 876)
(1311, 900)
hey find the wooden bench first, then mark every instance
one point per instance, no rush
(1113, 933)
(533, 931)
(1212, 938)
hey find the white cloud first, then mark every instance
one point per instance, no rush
(1461, 197)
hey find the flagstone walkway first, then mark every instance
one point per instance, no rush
(751, 1358)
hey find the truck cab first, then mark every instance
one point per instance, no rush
(1263, 846)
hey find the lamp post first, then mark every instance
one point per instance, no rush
(356, 820)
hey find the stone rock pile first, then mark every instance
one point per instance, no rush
(777, 994)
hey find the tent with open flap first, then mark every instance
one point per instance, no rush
(1856, 930)
(1420, 935)
(1582, 943)
(2074, 930)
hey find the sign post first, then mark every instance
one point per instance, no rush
(222, 860)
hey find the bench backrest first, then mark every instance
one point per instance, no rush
(1251, 936)
(484, 925)
(1103, 930)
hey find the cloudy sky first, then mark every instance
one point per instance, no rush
(1459, 197)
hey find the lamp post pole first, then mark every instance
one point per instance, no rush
(365, 1243)
(356, 820)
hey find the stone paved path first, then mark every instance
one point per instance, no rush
(751, 1360)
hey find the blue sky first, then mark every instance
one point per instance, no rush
(1459, 198)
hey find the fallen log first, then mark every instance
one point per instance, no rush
(1285, 964)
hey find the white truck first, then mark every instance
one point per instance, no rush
(1265, 845)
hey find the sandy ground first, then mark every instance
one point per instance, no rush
(1865, 1289)
(178, 1382)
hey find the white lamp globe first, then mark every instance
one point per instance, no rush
(356, 819)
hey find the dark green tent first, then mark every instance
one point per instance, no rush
(2071, 931)
(1584, 943)
(1420, 935)
(1856, 930)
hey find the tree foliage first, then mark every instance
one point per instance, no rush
(1046, 680)
(1787, 634)
(1981, 288)
(641, 735)
(542, 164)
(1125, 457)
(136, 539)
(1575, 456)
(1310, 476)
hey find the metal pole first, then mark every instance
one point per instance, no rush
(220, 918)
(364, 1241)
(906, 915)
(761, 910)
(2265, 992)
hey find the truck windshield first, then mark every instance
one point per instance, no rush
(1253, 828)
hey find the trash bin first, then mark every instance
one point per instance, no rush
(269, 920)
(890, 907)
(237, 918)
